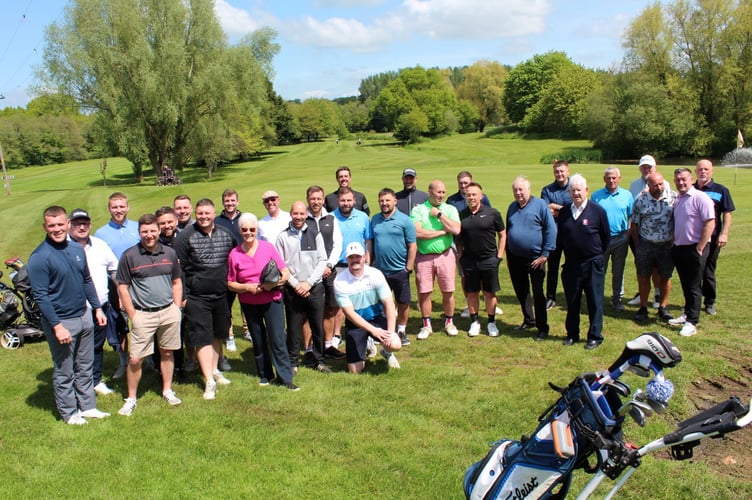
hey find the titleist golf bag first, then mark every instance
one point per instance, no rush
(585, 421)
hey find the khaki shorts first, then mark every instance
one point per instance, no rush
(145, 326)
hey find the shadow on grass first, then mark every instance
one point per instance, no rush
(44, 396)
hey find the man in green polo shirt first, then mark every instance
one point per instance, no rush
(436, 225)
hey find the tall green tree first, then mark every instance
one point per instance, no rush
(524, 84)
(483, 86)
(158, 69)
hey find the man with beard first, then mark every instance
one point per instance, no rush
(410, 196)
(343, 176)
(328, 226)
(102, 265)
(168, 225)
(302, 249)
(202, 249)
(151, 292)
(394, 251)
(583, 233)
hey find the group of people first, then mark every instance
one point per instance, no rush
(303, 276)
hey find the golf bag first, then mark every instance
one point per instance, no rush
(16, 300)
(586, 420)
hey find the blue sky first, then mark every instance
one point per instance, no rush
(329, 46)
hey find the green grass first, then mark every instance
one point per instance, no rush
(401, 434)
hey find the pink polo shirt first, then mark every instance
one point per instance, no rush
(242, 268)
(691, 212)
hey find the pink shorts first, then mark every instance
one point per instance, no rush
(443, 266)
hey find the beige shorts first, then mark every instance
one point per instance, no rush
(163, 325)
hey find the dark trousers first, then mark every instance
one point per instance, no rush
(585, 276)
(708, 275)
(554, 260)
(297, 310)
(689, 266)
(266, 322)
(523, 278)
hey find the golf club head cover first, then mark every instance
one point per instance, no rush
(649, 351)
(660, 390)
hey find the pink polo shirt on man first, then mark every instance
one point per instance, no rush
(691, 212)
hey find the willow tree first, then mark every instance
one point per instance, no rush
(160, 71)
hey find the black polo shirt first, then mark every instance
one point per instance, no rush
(478, 236)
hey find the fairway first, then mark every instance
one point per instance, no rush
(407, 433)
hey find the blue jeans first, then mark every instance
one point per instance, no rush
(72, 365)
(266, 323)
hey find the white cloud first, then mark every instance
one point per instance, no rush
(476, 19)
(344, 33)
(235, 22)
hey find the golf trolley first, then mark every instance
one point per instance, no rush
(587, 421)
(15, 333)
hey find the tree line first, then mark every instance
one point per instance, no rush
(157, 82)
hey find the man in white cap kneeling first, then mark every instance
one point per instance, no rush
(364, 296)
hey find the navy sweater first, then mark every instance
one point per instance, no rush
(585, 238)
(60, 280)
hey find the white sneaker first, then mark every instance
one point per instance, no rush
(678, 321)
(465, 313)
(102, 389)
(224, 364)
(219, 378)
(247, 336)
(499, 311)
(493, 330)
(94, 413)
(390, 358)
(76, 419)
(191, 365)
(336, 341)
(474, 329)
(171, 398)
(230, 344)
(424, 333)
(120, 372)
(128, 407)
(210, 391)
(451, 330)
(688, 330)
(371, 350)
(635, 301)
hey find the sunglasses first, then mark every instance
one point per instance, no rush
(248, 229)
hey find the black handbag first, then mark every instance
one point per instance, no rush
(270, 274)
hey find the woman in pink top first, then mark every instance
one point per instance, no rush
(261, 302)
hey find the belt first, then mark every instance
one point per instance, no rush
(151, 309)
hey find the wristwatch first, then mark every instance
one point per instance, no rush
(438, 215)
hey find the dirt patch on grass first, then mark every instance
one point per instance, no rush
(730, 455)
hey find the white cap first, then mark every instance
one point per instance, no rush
(647, 160)
(354, 248)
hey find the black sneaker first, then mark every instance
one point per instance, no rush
(292, 387)
(332, 352)
(664, 314)
(308, 360)
(404, 339)
(642, 314)
(550, 304)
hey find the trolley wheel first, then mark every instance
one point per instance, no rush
(10, 340)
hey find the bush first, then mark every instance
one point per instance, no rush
(574, 155)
